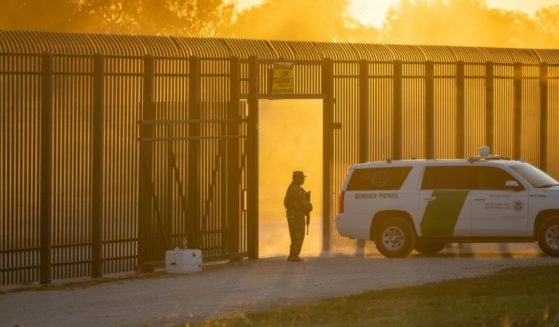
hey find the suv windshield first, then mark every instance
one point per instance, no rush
(535, 176)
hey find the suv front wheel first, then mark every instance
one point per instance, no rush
(394, 237)
(548, 236)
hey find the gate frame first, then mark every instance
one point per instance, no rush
(327, 96)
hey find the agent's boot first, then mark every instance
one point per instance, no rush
(294, 258)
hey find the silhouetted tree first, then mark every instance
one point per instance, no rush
(52, 15)
(177, 17)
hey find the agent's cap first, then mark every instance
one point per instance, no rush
(298, 173)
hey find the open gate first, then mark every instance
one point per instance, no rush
(194, 164)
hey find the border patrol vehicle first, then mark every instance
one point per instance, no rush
(424, 204)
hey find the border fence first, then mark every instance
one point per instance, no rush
(116, 148)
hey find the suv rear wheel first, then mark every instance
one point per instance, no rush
(429, 248)
(548, 236)
(394, 237)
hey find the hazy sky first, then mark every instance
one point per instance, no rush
(372, 12)
(528, 6)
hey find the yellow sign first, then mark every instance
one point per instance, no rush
(282, 79)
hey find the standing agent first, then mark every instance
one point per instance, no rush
(297, 207)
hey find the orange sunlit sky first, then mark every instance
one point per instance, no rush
(373, 12)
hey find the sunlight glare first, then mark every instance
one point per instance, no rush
(370, 13)
(242, 5)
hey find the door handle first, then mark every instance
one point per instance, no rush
(430, 199)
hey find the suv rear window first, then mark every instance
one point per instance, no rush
(389, 178)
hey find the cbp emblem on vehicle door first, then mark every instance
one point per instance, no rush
(518, 205)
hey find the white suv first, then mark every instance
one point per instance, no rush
(423, 204)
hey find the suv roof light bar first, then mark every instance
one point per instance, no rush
(486, 158)
(485, 154)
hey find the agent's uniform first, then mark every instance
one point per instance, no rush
(297, 207)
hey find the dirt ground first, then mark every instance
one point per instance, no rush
(235, 288)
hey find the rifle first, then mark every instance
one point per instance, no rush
(308, 196)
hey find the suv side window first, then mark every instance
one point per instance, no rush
(493, 178)
(465, 178)
(449, 178)
(389, 178)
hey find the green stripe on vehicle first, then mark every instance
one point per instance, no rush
(442, 213)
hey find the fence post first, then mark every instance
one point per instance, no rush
(543, 115)
(517, 111)
(327, 146)
(397, 111)
(460, 110)
(429, 110)
(46, 166)
(233, 164)
(364, 111)
(252, 165)
(146, 154)
(194, 114)
(167, 219)
(489, 106)
(97, 171)
(364, 124)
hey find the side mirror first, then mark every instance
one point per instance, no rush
(513, 185)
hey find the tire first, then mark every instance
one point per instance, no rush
(429, 248)
(394, 237)
(548, 236)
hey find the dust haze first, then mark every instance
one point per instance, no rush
(427, 22)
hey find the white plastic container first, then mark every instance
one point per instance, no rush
(179, 261)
